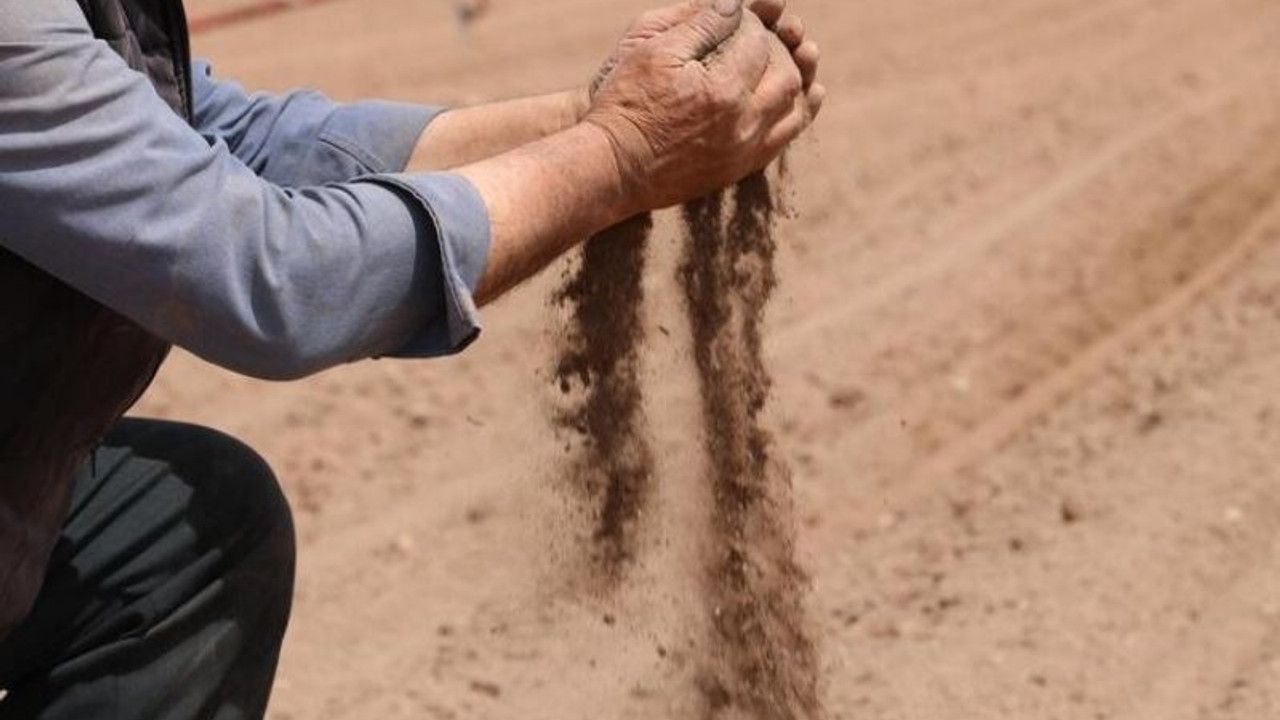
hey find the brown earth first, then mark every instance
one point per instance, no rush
(1026, 345)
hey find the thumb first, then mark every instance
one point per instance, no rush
(698, 37)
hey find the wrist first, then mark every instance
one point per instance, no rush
(613, 192)
(545, 197)
(577, 103)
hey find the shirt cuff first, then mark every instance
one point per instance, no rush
(380, 136)
(461, 221)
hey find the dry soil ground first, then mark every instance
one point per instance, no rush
(1027, 346)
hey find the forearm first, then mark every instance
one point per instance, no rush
(467, 135)
(105, 188)
(544, 198)
(302, 138)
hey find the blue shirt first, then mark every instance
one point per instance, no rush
(277, 237)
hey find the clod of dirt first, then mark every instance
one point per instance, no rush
(487, 689)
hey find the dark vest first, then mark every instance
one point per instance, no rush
(69, 367)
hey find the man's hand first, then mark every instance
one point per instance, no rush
(773, 13)
(700, 96)
(466, 135)
(649, 26)
(701, 105)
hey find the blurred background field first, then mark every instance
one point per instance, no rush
(1027, 348)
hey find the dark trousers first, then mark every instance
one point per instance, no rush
(169, 591)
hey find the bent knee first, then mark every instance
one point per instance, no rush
(236, 498)
(241, 487)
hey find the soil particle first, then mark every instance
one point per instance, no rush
(598, 368)
(762, 661)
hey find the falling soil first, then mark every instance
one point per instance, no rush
(599, 370)
(762, 663)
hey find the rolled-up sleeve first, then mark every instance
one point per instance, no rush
(104, 187)
(302, 138)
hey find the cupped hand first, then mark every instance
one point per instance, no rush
(701, 104)
(789, 27)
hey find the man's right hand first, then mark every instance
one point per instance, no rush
(701, 105)
(685, 111)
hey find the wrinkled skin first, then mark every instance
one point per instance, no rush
(773, 13)
(694, 98)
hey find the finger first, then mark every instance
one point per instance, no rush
(746, 58)
(769, 11)
(781, 86)
(707, 30)
(663, 19)
(807, 57)
(816, 97)
(791, 29)
(787, 130)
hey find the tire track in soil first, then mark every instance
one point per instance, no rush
(932, 268)
(761, 662)
(611, 468)
(1159, 272)
(1041, 346)
(1183, 255)
(1050, 188)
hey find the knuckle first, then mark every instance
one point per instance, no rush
(703, 32)
(718, 99)
(793, 84)
(753, 25)
(791, 90)
(724, 96)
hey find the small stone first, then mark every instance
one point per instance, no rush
(848, 399)
(1149, 421)
(489, 689)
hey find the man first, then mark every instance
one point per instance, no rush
(146, 568)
